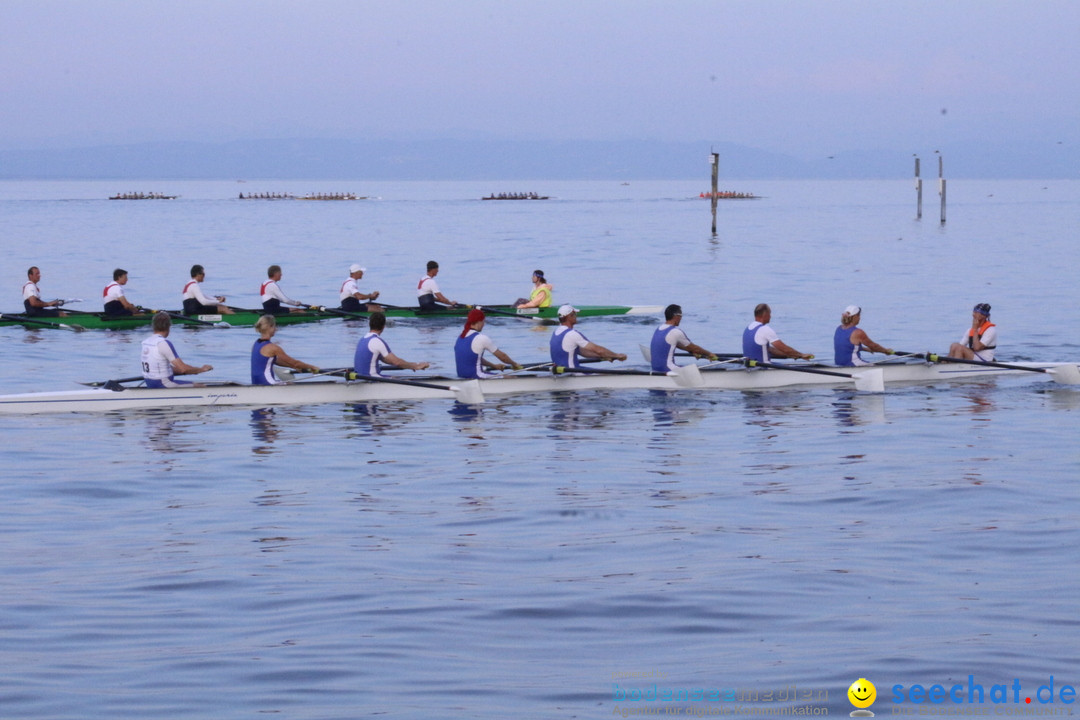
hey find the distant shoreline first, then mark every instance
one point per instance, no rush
(509, 160)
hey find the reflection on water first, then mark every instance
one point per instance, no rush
(852, 408)
(378, 418)
(980, 396)
(576, 412)
(264, 430)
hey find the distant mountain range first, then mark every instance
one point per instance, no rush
(518, 160)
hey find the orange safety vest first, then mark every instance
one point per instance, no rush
(982, 329)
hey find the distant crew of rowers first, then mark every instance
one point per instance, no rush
(143, 196)
(727, 195)
(516, 196)
(330, 196)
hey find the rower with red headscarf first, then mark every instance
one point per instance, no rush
(471, 345)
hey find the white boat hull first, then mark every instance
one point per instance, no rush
(332, 391)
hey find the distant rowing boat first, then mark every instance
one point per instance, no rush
(362, 391)
(100, 321)
(516, 196)
(728, 195)
(142, 196)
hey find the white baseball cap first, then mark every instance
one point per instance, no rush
(567, 310)
(852, 310)
(356, 268)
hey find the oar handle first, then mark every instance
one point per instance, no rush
(983, 363)
(561, 370)
(776, 366)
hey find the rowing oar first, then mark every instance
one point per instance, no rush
(646, 352)
(24, 320)
(339, 312)
(865, 380)
(112, 384)
(192, 320)
(287, 374)
(468, 392)
(684, 376)
(1066, 374)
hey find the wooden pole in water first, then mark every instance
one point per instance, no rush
(941, 185)
(714, 158)
(918, 191)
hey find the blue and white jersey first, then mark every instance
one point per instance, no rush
(566, 344)
(755, 341)
(665, 341)
(157, 356)
(262, 367)
(469, 353)
(846, 353)
(369, 351)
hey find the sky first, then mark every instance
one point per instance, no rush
(803, 77)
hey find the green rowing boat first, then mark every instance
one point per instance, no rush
(247, 318)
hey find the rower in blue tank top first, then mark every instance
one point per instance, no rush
(761, 343)
(471, 345)
(265, 354)
(568, 345)
(372, 350)
(849, 340)
(669, 337)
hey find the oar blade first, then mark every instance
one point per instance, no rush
(469, 392)
(646, 352)
(871, 380)
(1065, 374)
(688, 376)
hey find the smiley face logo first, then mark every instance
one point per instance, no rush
(862, 693)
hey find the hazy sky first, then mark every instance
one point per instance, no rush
(802, 77)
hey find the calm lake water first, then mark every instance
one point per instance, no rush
(538, 556)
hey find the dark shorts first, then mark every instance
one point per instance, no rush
(273, 307)
(194, 307)
(31, 311)
(351, 304)
(115, 308)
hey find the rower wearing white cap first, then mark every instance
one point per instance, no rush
(568, 344)
(351, 297)
(980, 339)
(271, 295)
(850, 340)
